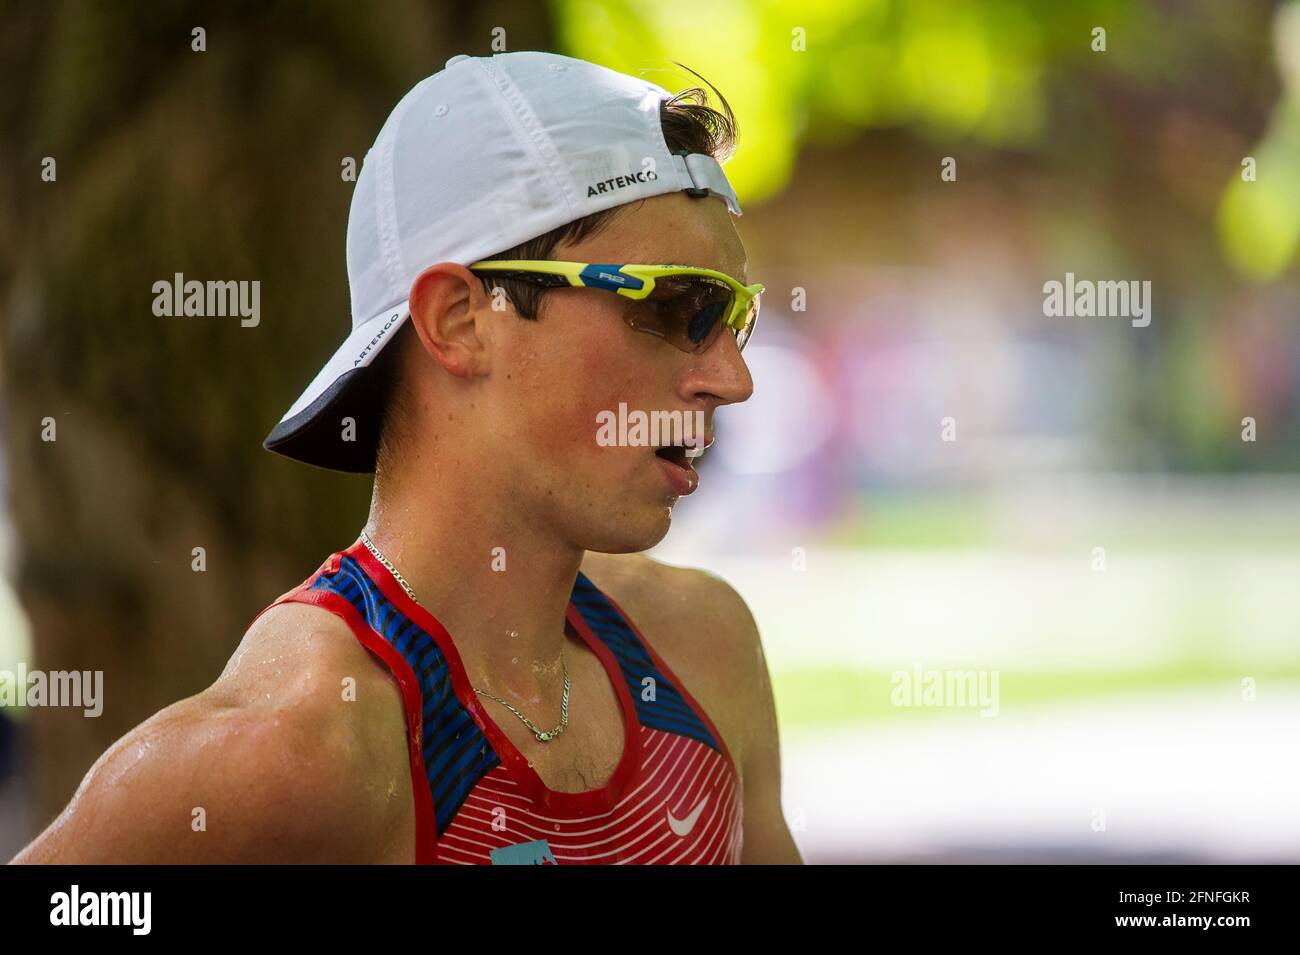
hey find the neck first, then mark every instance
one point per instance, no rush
(494, 581)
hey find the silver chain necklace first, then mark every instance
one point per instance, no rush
(544, 736)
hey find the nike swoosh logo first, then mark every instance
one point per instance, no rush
(683, 827)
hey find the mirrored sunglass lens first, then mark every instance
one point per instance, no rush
(747, 328)
(688, 311)
(697, 310)
(699, 325)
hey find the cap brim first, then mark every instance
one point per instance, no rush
(315, 430)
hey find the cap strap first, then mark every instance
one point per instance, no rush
(700, 175)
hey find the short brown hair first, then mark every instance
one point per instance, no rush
(689, 125)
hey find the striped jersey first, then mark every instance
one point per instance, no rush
(674, 798)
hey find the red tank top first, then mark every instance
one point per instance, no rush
(674, 797)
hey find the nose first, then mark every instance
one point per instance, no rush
(718, 375)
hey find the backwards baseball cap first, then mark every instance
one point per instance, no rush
(482, 156)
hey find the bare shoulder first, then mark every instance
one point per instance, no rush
(701, 627)
(294, 649)
(304, 661)
(675, 595)
(297, 753)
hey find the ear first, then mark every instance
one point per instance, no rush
(449, 310)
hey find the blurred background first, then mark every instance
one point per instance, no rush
(1105, 533)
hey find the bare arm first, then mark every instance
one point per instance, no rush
(270, 764)
(767, 838)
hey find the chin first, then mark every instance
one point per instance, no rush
(630, 533)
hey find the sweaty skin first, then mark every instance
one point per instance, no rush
(276, 763)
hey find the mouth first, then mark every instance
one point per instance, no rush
(697, 449)
(675, 461)
(674, 454)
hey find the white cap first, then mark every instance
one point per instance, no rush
(482, 156)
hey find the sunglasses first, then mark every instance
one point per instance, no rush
(685, 306)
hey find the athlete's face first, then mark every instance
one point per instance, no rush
(558, 380)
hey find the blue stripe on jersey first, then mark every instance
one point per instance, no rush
(669, 711)
(456, 753)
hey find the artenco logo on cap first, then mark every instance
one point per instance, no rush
(619, 182)
(375, 341)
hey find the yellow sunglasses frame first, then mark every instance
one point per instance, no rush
(632, 280)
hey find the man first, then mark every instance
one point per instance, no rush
(492, 673)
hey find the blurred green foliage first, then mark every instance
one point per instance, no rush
(995, 74)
